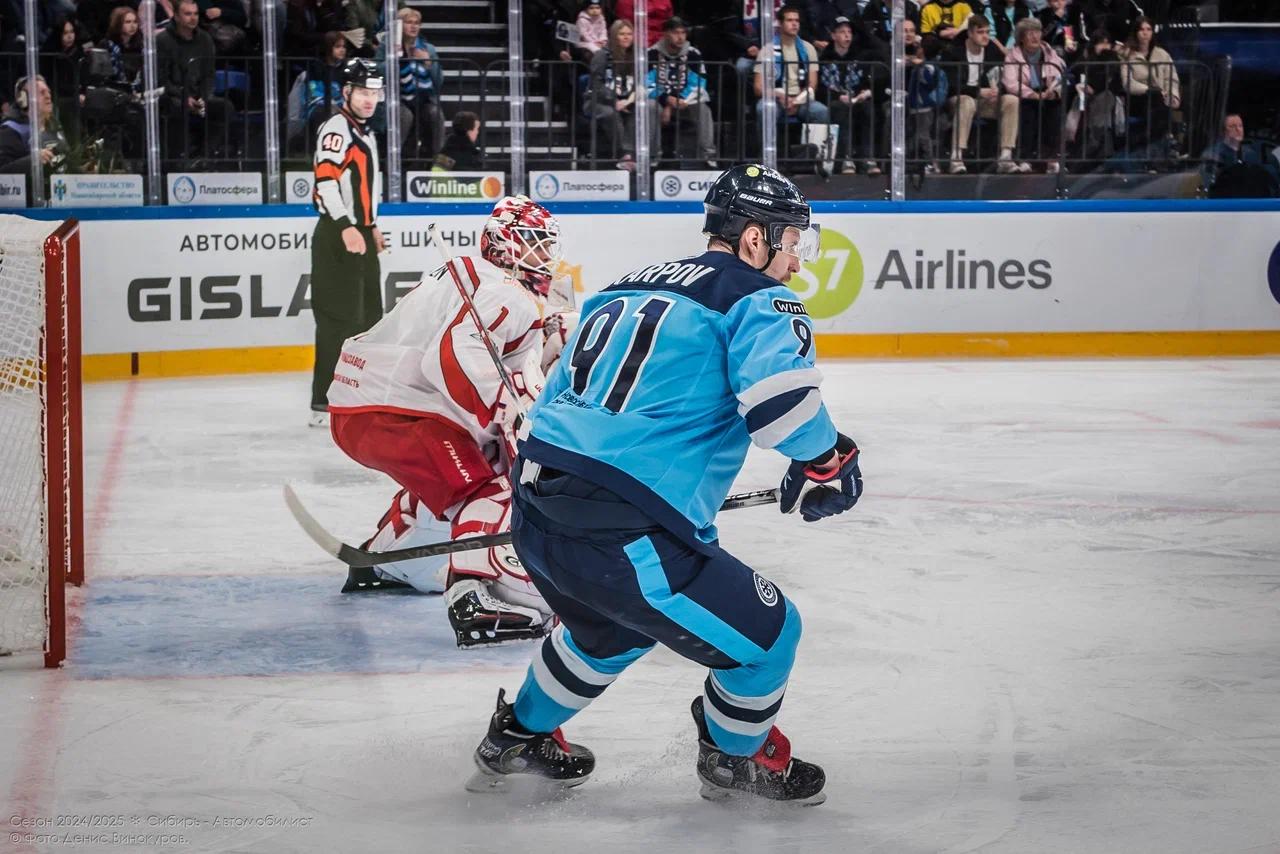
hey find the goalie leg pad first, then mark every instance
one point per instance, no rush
(479, 617)
(406, 524)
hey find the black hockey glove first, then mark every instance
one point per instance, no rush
(818, 495)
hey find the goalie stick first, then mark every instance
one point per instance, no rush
(358, 557)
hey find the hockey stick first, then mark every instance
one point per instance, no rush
(358, 557)
(475, 318)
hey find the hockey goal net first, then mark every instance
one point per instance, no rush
(41, 504)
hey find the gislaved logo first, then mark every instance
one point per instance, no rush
(547, 186)
(184, 190)
(671, 186)
(302, 189)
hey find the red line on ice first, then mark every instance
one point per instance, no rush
(29, 791)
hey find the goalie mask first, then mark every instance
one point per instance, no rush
(523, 238)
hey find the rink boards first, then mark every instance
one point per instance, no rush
(226, 290)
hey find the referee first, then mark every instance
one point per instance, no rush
(346, 296)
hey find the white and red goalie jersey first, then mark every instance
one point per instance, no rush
(425, 356)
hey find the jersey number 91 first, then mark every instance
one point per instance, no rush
(612, 326)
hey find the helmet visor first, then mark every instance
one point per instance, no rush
(801, 242)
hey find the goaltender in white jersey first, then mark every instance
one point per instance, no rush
(419, 398)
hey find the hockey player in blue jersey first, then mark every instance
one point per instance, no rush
(673, 371)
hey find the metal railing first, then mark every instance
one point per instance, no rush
(215, 118)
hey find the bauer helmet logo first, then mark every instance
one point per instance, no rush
(766, 591)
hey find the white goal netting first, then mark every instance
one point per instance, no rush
(23, 525)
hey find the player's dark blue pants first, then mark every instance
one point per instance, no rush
(619, 588)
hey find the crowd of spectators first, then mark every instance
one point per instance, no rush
(1011, 86)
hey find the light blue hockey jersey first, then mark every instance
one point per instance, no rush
(673, 370)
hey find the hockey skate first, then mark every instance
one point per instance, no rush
(510, 755)
(478, 617)
(772, 773)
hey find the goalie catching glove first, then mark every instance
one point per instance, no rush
(819, 490)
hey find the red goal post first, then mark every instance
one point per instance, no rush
(41, 441)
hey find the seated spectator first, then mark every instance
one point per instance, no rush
(942, 24)
(611, 106)
(593, 29)
(1062, 28)
(225, 22)
(1151, 81)
(1100, 95)
(185, 66)
(461, 152)
(926, 94)
(974, 68)
(322, 86)
(1034, 73)
(659, 11)
(309, 22)
(421, 81)
(677, 88)
(846, 90)
(95, 15)
(61, 60)
(123, 42)
(1229, 150)
(795, 73)
(112, 101)
(15, 133)
(1004, 16)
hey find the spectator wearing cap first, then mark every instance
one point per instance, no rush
(845, 86)
(225, 21)
(795, 73)
(942, 23)
(1034, 73)
(974, 68)
(421, 81)
(613, 94)
(658, 13)
(677, 86)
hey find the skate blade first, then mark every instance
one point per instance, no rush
(721, 795)
(525, 786)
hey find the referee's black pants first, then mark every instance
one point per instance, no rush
(346, 298)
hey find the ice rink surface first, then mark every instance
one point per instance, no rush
(1051, 625)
